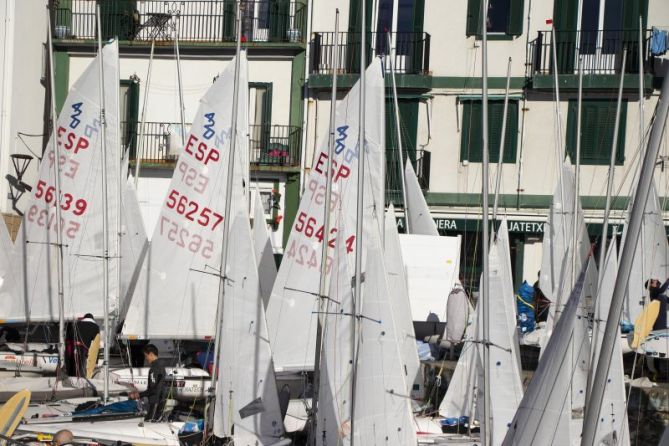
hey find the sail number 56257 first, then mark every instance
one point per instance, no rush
(192, 210)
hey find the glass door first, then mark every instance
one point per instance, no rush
(396, 17)
(600, 35)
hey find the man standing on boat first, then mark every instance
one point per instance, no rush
(656, 292)
(79, 337)
(154, 393)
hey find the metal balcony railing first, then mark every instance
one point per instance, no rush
(421, 162)
(274, 145)
(412, 54)
(197, 20)
(601, 50)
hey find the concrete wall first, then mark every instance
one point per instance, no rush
(22, 33)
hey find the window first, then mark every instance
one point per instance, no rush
(597, 122)
(408, 112)
(471, 143)
(505, 17)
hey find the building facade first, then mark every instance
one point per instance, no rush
(437, 58)
(438, 70)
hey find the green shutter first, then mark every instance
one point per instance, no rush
(597, 126)
(514, 26)
(565, 21)
(471, 143)
(408, 111)
(632, 9)
(279, 12)
(131, 116)
(354, 28)
(229, 12)
(474, 17)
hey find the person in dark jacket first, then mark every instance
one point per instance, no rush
(656, 291)
(78, 339)
(541, 303)
(155, 386)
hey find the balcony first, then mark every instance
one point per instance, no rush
(269, 145)
(421, 162)
(199, 21)
(412, 55)
(601, 52)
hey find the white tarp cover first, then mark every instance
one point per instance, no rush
(78, 136)
(291, 313)
(177, 292)
(432, 264)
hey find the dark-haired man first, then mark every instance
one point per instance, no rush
(155, 385)
(79, 337)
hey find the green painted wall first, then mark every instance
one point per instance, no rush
(62, 77)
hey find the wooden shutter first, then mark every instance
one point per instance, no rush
(597, 126)
(474, 17)
(565, 20)
(514, 26)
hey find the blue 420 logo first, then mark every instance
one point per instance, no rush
(209, 127)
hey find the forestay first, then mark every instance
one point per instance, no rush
(612, 420)
(178, 284)
(291, 311)
(247, 406)
(652, 252)
(399, 300)
(417, 212)
(78, 136)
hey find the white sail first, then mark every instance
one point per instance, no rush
(399, 299)
(382, 406)
(417, 212)
(562, 223)
(263, 251)
(78, 135)
(543, 414)
(178, 284)
(134, 243)
(334, 401)
(506, 389)
(464, 392)
(546, 279)
(291, 313)
(247, 406)
(613, 423)
(652, 252)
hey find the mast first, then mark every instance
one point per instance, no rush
(59, 236)
(577, 179)
(228, 204)
(486, 425)
(326, 230)
(140, 143)
(400, 156)
(498, 178)
(626, 260)
(559, 155)
(357, 304)
(105, 210)
(640, 51)
(181, 89)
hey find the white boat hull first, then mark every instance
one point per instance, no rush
(189, 383)
(51, 389)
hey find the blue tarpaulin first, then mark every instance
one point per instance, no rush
(525, 307)
(119, 407)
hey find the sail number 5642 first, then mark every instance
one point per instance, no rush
(307, 226)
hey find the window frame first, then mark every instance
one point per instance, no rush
(587, 157)
(514, 23)
(471, 150)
